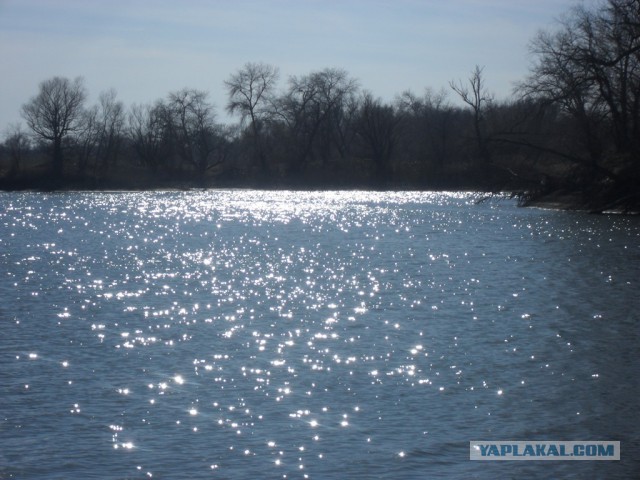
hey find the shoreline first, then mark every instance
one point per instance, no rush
(577, 202)
(561, 200)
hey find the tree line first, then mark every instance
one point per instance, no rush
(573, 124)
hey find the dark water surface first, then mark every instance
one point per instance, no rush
(250, 334)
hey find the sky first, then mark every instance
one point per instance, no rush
(145, 49)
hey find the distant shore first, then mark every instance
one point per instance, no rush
(556, 199)
(141, 180)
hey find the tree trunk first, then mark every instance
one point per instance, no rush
(57, 169)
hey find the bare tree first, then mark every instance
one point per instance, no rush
(608, 49)
(250, 91)
(337, 93)
(17, 145)
(87, 138)
(315, 109)
(55, 113)
(430, 120)
(378, 125)
(149, 132)
(476, 96)
(196, 133)
(558, 77)
(99, 135)
(111, 119)
(590, 67)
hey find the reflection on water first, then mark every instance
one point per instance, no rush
(242, 334)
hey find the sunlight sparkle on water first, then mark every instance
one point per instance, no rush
(305, 333)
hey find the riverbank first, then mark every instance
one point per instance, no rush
(627, 204)
(612, 201)
(140, 179)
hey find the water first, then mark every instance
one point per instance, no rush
(249, 334)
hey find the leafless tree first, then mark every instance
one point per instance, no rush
(195, 130)
(338, 99)
(17, 144)
(99, 135)
(111, 120)
(149, 131)
(55, 113)
(590, 67)
(250, 95)
(317, 108)
(476, 96)
(87, 138)
(379, 127)
(431, 125)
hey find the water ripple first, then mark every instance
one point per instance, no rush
(309, 334)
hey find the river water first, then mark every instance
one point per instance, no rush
(254, 334)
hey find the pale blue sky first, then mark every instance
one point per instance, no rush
(145, 49)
